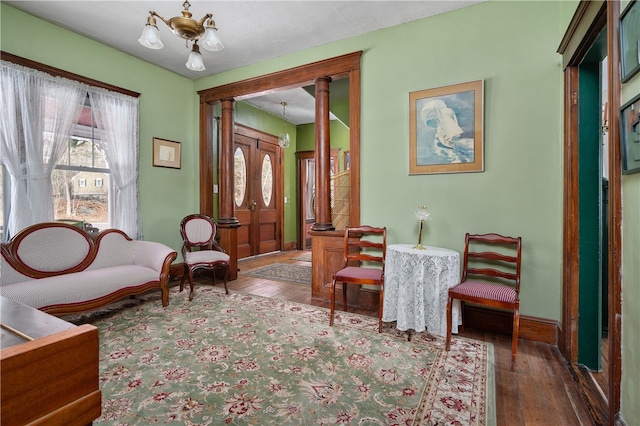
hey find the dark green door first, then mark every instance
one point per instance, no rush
(591, 211)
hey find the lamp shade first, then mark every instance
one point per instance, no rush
(210, 40)
(284, 140)
(195, 60)
(151, 37)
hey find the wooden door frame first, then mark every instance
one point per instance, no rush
(278, 173)
(345, 66)
(589, 20)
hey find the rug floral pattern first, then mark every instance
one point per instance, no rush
(243, 359)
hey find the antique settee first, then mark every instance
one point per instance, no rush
(60, 269)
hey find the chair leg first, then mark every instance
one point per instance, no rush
(448, 341)
(514, 338)
(380, 310)
(333, 301)
(226, 278)
(344, 296)
(184, 275)
(191, 285)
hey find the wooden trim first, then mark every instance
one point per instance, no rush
(570, 250)
(615, 215)
(303, 75)
(501, 322)
(589, 18)
(57, 72)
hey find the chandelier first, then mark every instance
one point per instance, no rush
(187, 28)
(283, 138)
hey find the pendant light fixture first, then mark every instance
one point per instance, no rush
(187, 28)
(283, 138)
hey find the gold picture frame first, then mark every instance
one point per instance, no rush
(166, 153)
(446, 129)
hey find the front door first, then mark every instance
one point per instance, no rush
(257, 192)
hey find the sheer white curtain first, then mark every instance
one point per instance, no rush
(37, 114)
(117, 118)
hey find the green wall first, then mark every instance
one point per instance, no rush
(520, 191)
(168, 109)
(630, 386)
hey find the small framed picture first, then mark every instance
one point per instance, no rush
(630, 40)
(630, 136)
(347, 160)
(166, 153)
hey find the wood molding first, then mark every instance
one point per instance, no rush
(57, 72)
(536, 329)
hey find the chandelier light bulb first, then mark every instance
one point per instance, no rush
(150, 35)
(195, 59)
(210, 40)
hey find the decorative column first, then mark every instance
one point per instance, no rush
(323, 220)
(227, 223)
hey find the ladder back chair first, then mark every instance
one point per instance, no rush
(490, 277)
(200, 250)
(363, 264)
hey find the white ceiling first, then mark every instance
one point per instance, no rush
(251, 31)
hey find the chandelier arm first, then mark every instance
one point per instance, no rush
(204, 18)
(153, 13)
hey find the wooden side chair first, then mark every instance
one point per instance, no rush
(200, 250)
(366, 244)
(490, 278)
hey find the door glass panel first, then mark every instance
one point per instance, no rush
(267, 180)
(240, 177)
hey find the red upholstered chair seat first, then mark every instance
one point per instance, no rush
(359, 274)
(500, 293)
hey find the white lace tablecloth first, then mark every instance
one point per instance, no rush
(415, 288)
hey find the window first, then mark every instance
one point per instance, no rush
(83, 162)
(66, 130)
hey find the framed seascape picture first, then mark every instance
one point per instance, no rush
(630, 40)
(630, 136)
(166, 153)
(446, 129)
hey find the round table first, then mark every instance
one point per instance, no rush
(416, 283)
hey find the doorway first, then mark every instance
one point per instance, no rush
(306, 166)
(257, 187)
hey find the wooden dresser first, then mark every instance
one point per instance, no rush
(48, 369)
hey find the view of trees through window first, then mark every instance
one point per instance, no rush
(80, 184)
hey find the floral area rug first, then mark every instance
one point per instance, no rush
(243, 359)
(299, 274)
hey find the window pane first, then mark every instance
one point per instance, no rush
(77, 197)
(240, 177)
(267, 180)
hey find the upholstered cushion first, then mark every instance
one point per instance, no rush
(501, 293)
(354, 273)
(205, 256)
(198, 230)
(53, 249)
(77, 287)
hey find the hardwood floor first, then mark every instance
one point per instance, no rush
(540, 392)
